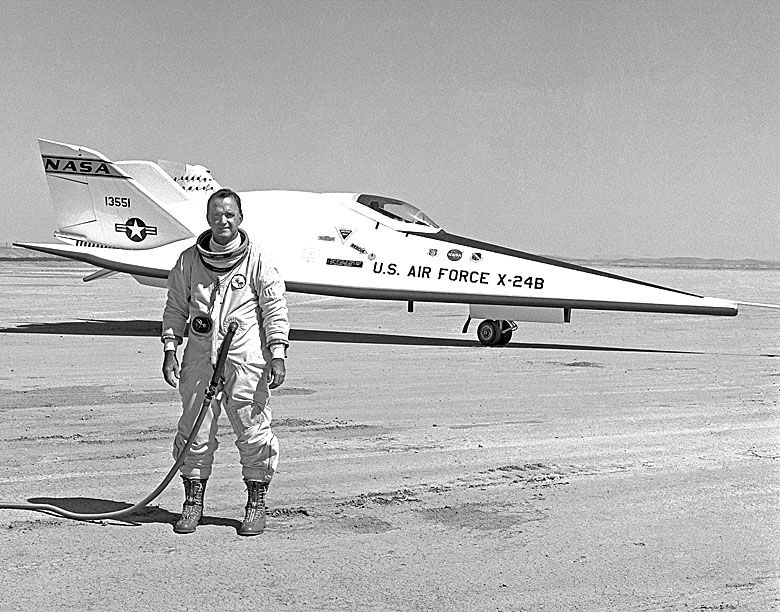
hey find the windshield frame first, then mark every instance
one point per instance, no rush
(398, 211)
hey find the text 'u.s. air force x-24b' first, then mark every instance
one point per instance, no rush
(136, 217)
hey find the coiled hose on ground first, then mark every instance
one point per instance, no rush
(211, 391)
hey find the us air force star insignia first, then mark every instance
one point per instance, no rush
(136, 229)
(238, 282)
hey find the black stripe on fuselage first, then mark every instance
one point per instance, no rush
(371, 293)
(494, 248)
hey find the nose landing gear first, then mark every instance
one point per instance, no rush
(495, 333)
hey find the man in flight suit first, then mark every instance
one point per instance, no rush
(224, 277)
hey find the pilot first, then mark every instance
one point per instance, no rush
(225, 277)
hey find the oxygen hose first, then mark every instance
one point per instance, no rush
(211, 391)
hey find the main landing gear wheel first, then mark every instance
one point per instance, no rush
(489, 332)
(495, 333)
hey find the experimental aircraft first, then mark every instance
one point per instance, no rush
(136, 217)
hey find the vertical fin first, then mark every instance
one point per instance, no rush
(98, 202)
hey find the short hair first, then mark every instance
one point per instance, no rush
(221, 195)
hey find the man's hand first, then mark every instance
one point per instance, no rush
(170, 368)
(276, 373)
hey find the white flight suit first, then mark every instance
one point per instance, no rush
(252, 294)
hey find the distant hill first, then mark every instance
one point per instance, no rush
(12, 253)
(691, 263)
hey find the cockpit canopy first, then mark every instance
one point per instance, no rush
(396, 210)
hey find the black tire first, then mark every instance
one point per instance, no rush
(504, 338)
(489, 332)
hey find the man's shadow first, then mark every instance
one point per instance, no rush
(147, 514)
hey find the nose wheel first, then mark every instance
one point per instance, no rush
(495, 333)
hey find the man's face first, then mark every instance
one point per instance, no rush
(224, 218)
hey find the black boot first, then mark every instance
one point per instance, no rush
(192, 511)
(254, 519)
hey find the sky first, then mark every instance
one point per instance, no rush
(572, 129)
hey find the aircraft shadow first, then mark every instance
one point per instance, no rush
(368, 338)
(149, 514)
(140, 327)
(89, 327)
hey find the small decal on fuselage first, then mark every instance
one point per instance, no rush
(348, 263)
(454, 254)
(326, 238)
(358, 248)
(345, 233)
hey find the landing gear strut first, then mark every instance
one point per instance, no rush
(495, 333)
